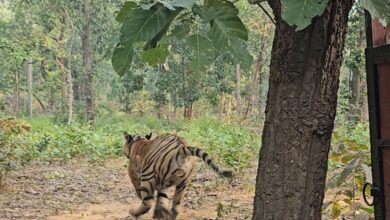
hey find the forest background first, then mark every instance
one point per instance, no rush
(58, 84)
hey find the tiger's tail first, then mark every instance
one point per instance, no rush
(197, 152)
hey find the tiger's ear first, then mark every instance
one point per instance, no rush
(127, 136)
(149, 136)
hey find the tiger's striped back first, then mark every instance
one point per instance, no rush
(163, 163)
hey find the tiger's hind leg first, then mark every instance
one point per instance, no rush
(164, 204)
(146, 191)
(169, 198)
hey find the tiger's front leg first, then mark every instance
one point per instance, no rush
(146, 191)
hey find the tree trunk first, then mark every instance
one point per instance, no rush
(87, 57)
(16, 93)
(52, 99)
(69, 80)
(354, 101)
(238, 93)
(253, 88)
(30, 86)
(39, 102)
(364, 111)
(61, 63)
(354, 107)
(300, 112)
(188, 111)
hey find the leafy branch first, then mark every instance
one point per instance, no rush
(148, 22)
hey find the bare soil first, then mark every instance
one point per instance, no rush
(80, 189)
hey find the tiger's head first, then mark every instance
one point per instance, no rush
(131, 139)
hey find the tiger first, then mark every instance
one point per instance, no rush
(165, 165)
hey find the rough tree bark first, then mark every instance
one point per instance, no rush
(88, 61)
(300, 112)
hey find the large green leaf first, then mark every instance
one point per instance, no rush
(201, 46)
(153, 42)
(121, 58)
(156, 55)
(347, 171)
(301, 12)
(241, 53)
(143, 25)
(378, 9)
(224, 26)
(125, 11)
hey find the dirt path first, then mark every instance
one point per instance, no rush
(82, 190)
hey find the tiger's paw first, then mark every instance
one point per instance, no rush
(133, 212)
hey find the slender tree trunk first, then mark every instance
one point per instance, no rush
(88, 61)
(30, 86)
(69, 80)
(16, 93)
(39, 102)
(262, 100)
(185, 86)
(76, 86)
(253, 88)
(354, 101)
(354, 105)
(61, 63)
(238, 92)
(364, 111)
(188, 111)
(300, 112)
(52, 99)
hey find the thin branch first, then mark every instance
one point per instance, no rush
(266, 12)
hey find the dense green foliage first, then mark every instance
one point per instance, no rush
(50, 140)
(348, 171)
(173, 56)
(213, 28)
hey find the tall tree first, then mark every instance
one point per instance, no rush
(88, 61)
(300, 112)
(69, 79)
(30, 86)
(354, 61)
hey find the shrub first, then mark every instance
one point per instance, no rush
(10, 131)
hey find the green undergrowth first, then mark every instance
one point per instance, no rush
(50, 139)
(348, 170)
